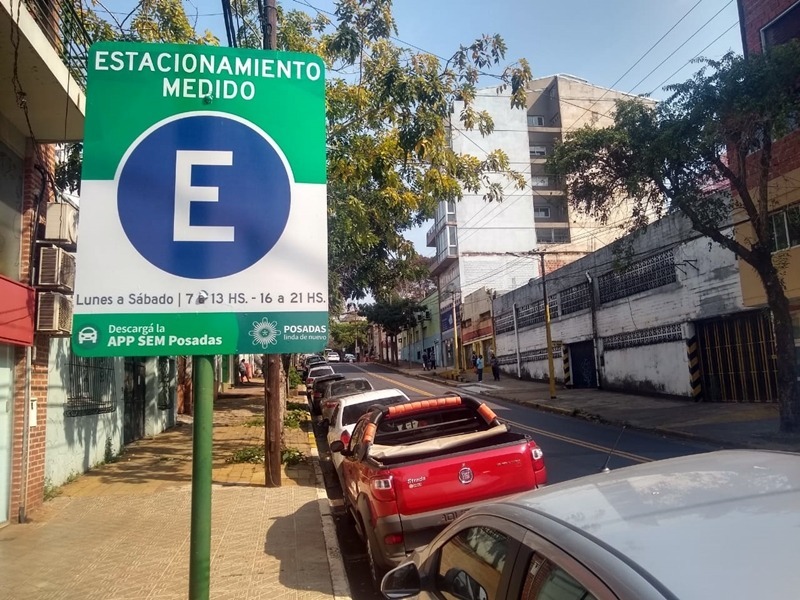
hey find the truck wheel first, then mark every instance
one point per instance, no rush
(375, 569)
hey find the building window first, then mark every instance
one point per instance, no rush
(644, 337)
(166, 382)
(535, 121)
(552, 235)
(783, 29)
(537, 150)
(91, 386)
(541, 212)
(647, 274)
(451, 210)
(539, 181)
(785, 228)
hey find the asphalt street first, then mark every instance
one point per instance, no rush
(573, 447)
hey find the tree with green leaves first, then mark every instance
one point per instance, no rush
(348, 335)
(717, 129)
(389, 118)
(394, 316)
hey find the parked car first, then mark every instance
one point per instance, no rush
(317, 391)
(682, 528)
(339, 389)
(314, 359)
(346, 412)
(332, 356)
(410, 468)
(349, 358)
(314, 373)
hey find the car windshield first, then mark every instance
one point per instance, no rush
(353, 412)
(350, 386)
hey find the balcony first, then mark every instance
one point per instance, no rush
(49, 62)
(444, 259)
(430, 237)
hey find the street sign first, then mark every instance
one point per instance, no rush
(203, 215)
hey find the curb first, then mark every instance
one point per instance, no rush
(341, 587)
(589, 416)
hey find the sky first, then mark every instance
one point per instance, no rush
(611, 43)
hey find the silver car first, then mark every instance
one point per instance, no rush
(717, 525)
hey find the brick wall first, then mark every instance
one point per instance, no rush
(758, 13)
(32, 469)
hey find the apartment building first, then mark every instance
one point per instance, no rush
(481, 244)
(764, 24)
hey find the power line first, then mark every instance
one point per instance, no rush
(671, 54)
(638, 61)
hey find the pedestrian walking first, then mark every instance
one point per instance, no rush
(243, 372)
(425, 363)
(474, 359)
(479, 367)
(495, 367)
(433, 361)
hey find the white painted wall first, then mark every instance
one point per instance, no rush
(487, 231)
(76, 444)
(660, 369)
(707, 286)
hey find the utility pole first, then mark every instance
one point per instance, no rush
(272, 362)
(550, 367)
(456, 364)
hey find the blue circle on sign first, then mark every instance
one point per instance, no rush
(204, 196)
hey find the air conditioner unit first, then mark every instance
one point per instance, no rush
(54, 314)
(62, 224)
(56, 269)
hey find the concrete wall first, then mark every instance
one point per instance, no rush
(650, 359)
(487, 231)
(76, 444)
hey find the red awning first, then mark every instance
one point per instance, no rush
(17, 310)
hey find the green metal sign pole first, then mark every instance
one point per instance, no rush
(200, 546)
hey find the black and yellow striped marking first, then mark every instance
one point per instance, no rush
(693, 352)
(567, 371)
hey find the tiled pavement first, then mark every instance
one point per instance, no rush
(122, 531)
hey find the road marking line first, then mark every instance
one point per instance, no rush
(557, 436)
(589, 445)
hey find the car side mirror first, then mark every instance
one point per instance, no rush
(401, 582)
(461, 585)
(338, 446)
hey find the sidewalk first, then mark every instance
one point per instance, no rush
(751, 425)
(122, 530)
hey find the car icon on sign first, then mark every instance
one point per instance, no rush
(87, 334)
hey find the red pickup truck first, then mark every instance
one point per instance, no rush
(412, 468)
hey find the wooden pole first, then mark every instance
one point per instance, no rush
(272, 420)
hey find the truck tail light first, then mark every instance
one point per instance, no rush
(538, 457)
(318, 394)
(382, 488)
(345, 438)
(393, 538)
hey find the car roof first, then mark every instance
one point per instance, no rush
(370, 395)
(328, 378)
(320, 368)
(715, 525)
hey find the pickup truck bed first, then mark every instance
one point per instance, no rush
(410, 469)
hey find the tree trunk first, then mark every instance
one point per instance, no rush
(788, 386)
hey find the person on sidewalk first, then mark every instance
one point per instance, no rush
(474, 359)
(424, 361)
(243, 378)
(495, 364)
(479, 367)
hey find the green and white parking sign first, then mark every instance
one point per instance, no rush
(203, 225)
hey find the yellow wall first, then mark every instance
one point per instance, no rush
(783, 192)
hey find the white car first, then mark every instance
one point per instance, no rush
(347, 411)
(349, 358)
(332, 357)
(315, 372)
